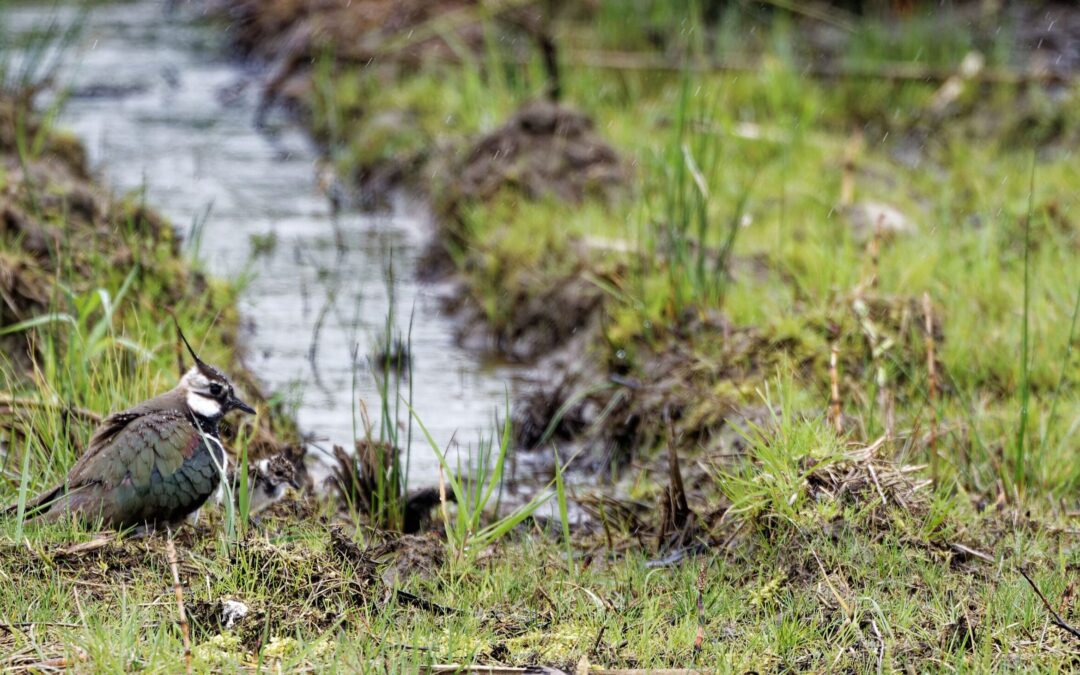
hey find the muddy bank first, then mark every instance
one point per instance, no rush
(54, 214)
(63, 236)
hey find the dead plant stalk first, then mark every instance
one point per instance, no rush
(185, 631)
(835, 414)
(932, 382)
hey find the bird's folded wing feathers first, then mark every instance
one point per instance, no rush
(129, 444)
(159, 440)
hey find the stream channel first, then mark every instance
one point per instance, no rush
(162, 108)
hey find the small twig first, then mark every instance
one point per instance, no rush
(835, 415)
(1056, 620)
(79, 607)
(599, 638)
(607, 529)
(185, 631)
(699, 639)
(847, 179)
(873, 475)
(836, 594)
(59, 663)
(881, 642)
(443, 507)
(973, 553)
(932, 385)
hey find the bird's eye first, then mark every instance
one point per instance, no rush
(215, 389)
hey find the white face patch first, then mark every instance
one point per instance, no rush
(264, 498)
(202, 406)
(194, 379)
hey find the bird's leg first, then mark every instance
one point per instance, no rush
(142, 531)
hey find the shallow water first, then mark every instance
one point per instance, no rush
(161, 108)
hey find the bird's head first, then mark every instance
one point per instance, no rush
(277, 472)
(207, 392)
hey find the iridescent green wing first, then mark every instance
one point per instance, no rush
(156, 467)
(129, 453)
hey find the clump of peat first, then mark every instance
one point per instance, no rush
(394, 356)
(369, 483)
(399, 34)
(544, 150)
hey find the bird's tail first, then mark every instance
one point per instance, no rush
(37, 506)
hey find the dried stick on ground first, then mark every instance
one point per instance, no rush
(185, 631)
(835, 416)
(1055, 617)
(699, 638)
(677, 520)
(932, 384)
(851, 154)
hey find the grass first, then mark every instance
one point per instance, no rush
(814, 591)
(473, 487)
(733, 248)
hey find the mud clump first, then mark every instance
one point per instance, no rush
(536, 322)
(356, 30)
(53, 218)
(546, 150)
(615, 407)
(367, 483)
(291, 35)
(408, 556)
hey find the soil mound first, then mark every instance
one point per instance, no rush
(545, 150)
(356, 30)
(50, 211)
(291, 35)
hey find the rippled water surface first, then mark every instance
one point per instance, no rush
(161, 108)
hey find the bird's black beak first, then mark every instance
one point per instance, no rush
(236, 404)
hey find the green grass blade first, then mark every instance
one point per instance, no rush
(1019, 470)
(41, 320)
(1063, 372)
(564, 511)
(243, 499)
(24, 485)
